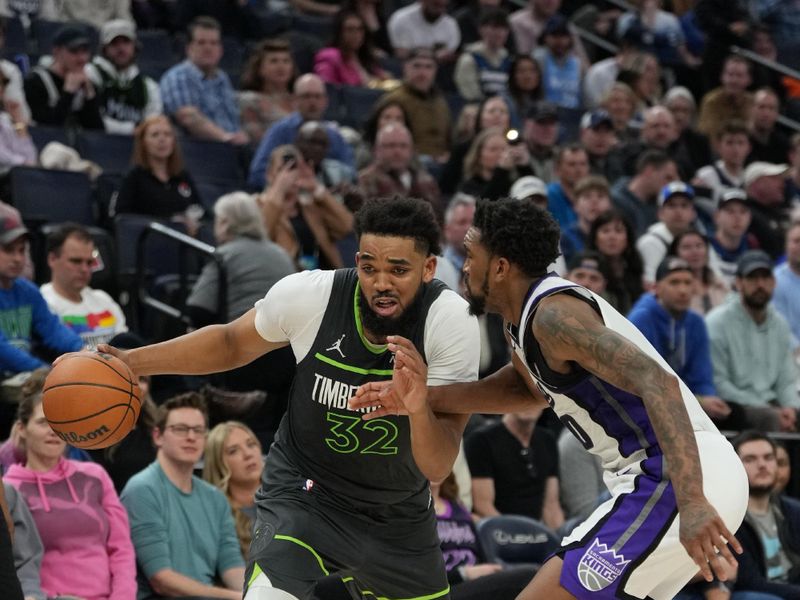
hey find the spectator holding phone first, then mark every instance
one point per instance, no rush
(300, 214)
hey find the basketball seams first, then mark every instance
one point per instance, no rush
(90, 384)
(91, 356)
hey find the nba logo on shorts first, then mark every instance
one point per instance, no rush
(308, 485)
(599, 567)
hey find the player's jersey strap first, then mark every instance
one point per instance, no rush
(366, 462)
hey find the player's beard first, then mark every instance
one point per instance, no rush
(477, 304)
(381, 326)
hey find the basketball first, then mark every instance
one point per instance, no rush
(91, 400)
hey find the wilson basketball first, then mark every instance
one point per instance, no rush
(91, 400)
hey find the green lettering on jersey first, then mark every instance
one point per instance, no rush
(345, 440)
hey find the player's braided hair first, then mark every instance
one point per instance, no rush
(519, 231)
(401, 217)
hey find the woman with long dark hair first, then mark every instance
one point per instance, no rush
(524, 87)
(350, 59)
(385, 111)
(612, 236)
(710, 289)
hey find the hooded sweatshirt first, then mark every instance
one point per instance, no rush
(84, 529)
(682, 341)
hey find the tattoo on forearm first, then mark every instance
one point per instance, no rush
(560, 331)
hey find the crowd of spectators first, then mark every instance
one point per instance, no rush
(663, 159)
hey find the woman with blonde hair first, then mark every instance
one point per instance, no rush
(233, 463)
(622, 105)
(158, 185)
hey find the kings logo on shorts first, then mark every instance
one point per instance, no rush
(599, 567)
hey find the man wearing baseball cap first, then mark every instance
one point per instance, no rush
(540, 131)
(754, 371)
(765, 184)
(23, 311)
(127, 96)
(678, 334)
(598, 137)
(62, 94)
(731, 239)
(530, 188)
(675, 214)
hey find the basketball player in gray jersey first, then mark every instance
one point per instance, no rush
(341, 495)
(677, 487)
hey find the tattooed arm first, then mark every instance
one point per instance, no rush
(569, 330)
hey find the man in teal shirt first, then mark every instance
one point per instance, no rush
(754, 371)
(181, 526)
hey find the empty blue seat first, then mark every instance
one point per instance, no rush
(319, 27)
(515, 540)
(155, 45)
(43, 135)
(210, 191)
(358, 103)
(110, 151)
(51, 196)
(209, 161)
(16, 40)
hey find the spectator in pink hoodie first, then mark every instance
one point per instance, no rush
(84, 528)
(350, 59)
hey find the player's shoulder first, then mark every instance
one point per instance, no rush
(304, 282)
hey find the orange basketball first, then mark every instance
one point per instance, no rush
(91, 400)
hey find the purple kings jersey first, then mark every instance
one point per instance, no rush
(609, 422)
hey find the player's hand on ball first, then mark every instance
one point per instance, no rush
(410, 376)
(706, 539)
(120, 354)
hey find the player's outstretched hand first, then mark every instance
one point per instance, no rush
(706, 539)
(410, 376)
(379, 396)
(386, 398)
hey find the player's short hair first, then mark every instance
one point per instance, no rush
(56, 239)
(186, 400)
(750, 435)
(520, 231)
(400, 216)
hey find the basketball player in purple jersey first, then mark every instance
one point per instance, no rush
(678, 488)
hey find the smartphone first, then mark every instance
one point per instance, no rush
(290, 159)
(512, 137)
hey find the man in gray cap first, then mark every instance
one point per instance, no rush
(764, 183)
(23, 311)
(127, 96)
(754, 371)
(62, 94)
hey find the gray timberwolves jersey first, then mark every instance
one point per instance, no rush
(367, 462)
